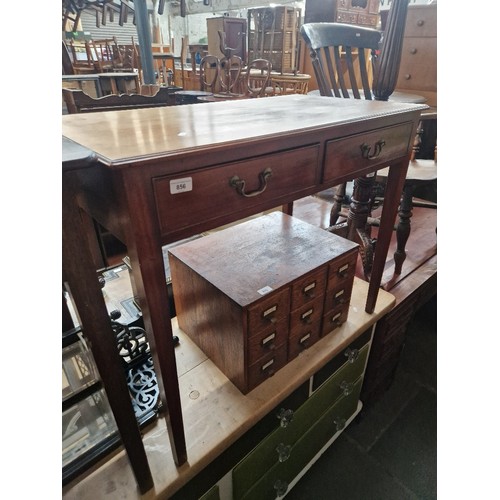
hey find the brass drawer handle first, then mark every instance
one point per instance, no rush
(239, 184)
(366, 150)
(268, 342)
(343, 271)
(309, 290)
(306, 317)
(339, 298)
(268, 314)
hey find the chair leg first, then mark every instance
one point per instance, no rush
(403, 228)
(338, 198)
(357, 220)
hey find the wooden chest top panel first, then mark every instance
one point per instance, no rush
(258, 259)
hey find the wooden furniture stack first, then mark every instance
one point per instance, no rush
(255, 295)
(273, 34)
(235, 30)
(418, 68)
(359, 12)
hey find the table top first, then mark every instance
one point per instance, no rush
(163, 55)
(153, 133)
(124, 74)
(91, 76)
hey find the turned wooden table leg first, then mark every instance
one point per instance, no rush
(358, 229)
(360, 206)
(338, 198)
(404, 227)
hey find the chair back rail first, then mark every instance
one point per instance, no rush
(341, 55)
(78, 102)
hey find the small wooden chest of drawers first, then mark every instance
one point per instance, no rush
(254, 295)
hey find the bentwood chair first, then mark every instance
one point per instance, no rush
(209, 73)
(106, 55)
(257, 79)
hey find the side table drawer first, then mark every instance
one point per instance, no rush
(184, 199)
(345, 157)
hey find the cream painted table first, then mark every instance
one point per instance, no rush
(215, 413)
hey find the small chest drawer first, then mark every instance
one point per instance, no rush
(273, 310)
(181, 200)
(267, 366)
(351, 155)
(302, 319)
(309, 288)
(421, 21)
(342, 269)
(303, 339)
(338, 296)
(267, 341)
(416, 71)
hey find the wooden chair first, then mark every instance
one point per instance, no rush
(106, 55)
(81, 58)
(257, 80)
(341, 57)
(78, 102)
(209, 73)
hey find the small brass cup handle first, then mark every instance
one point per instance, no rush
(239, 184)
(366, 150)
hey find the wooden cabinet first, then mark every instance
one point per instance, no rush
(418, 68)
(360, 12)
(273, 34)
(235, 29)
(255, 295)
(390, 333)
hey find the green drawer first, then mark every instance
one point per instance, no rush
(211, 494)
(304, 450)
(265, 454)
